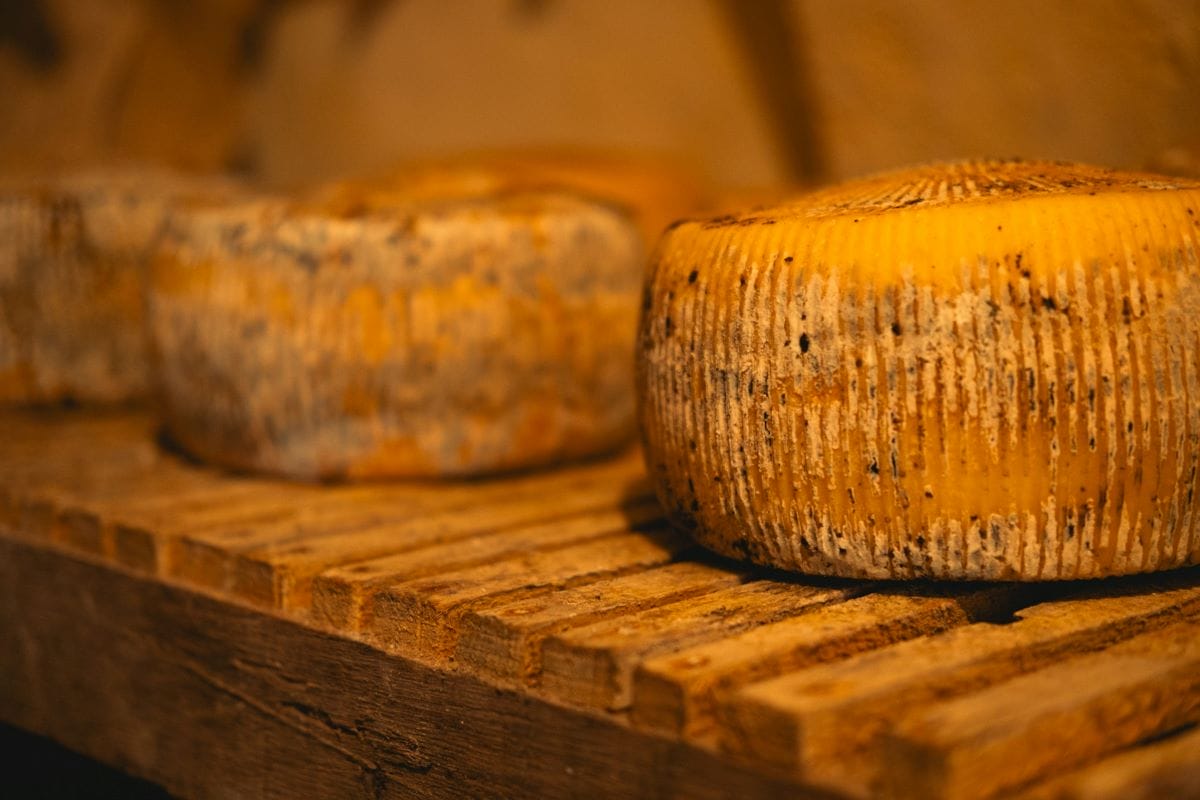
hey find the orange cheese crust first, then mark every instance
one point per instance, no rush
(73, 251)
(981, 370)
(396, 337)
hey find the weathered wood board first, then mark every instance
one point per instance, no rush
(541, 635)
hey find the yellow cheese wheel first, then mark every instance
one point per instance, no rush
(72, 257)
(972, 370)
(376, 334)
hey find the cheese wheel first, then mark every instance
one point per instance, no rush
(653, 191)
(980, 370)
(397, 337)
(72, 260)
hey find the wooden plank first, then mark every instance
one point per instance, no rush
(146, 530)
(203, 554)
(81, 511)
(1001, 738)
(280, 575)
(421, 617)
(824, 722)
(564, 589)
(30, 433)
(593, 665)
(212, 699)
(202, 542)
(677, 693)
(341, 595)
(213, 552)
(504, 642)
(35, 478)
(1167, 768)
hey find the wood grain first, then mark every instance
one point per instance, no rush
(341, 592)
(825, 722)
(1165, 768)
(544, 634)
(505, 641)
(422, 616)
(1028, 727)
(593, 665)
(678, 691)
(187, 691)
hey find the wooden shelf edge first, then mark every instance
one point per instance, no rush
(210, 699)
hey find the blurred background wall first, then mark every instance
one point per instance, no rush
(750, 91)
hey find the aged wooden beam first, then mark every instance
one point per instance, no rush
(540, 635)
(215, 699)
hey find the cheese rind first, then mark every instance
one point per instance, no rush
(975, 370)
(72, 260)
(654, 191)
(394, 338)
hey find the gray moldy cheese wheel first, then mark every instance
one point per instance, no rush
(72, 259)
(397, 337)
(973, 370)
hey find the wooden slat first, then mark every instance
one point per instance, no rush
(567, 589)
(1168, 768)
(204, 554)
(341, 595)
(84, 510)
(212, 699)
(593, 665)
(146, 530)
(202, 542)
(678, 692)
(504, 642)
(280, 575)
(977, 746)
(35, 480)
(421, 617)
(824, 723)
(211, 556)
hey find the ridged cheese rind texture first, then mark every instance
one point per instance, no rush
(982, 370)
(435, 338)
(73, 250)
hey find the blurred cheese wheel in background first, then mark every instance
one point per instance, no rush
(73, 251)
(382, 333)
(972, 370)
(653, 191)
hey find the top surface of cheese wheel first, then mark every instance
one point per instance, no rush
(379, 333)
(972, 370)
(654, 191)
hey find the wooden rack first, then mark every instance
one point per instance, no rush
(541, 635)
